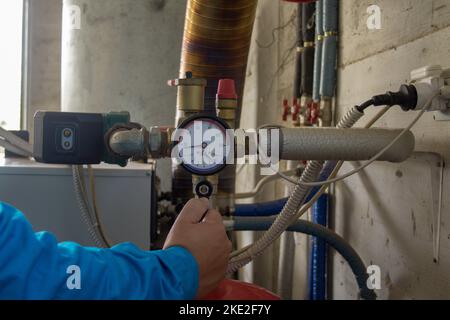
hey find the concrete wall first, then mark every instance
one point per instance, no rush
(388, 211)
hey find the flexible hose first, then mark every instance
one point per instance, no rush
(85, 215)
(98, 220)
(262, 183)
(331, 238)
(295, 201)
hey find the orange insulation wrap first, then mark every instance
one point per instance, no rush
(216, 43)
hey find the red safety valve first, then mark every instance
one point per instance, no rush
(314, 113)
(296, 108)
(286, 109)
(226, 89)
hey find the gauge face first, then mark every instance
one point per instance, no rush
(201, 144)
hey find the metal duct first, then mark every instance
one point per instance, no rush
(216, 44)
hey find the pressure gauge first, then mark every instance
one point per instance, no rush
(202, 144)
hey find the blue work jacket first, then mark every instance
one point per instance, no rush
(35, 266)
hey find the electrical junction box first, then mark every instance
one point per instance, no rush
(75, 138)
(45, 194)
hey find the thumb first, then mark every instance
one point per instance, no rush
(214, 216)
(194, 210)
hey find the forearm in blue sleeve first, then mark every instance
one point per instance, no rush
(35, 266)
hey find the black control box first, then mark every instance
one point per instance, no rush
(68, 138)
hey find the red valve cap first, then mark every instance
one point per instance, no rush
(226, 89)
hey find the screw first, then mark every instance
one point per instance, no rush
(204, 189)
(67, 133)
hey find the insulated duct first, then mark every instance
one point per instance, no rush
(216, 44)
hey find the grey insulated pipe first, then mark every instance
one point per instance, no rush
(343, 144)
(329, 50)
(297, 93)
(308, 29)
(318, 52)
(289, 211)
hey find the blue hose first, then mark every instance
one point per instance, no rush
(318, 254)
(331, 238)
(263, 209)
(271, 208)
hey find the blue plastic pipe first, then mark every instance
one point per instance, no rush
(318, 258)
(264, 209)
(271, 208)
(318, 254)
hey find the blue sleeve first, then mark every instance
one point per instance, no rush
(35, 266)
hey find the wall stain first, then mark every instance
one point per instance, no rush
(388, 281)
(413, 219)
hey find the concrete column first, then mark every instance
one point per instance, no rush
(42, 68)
(118, 55)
